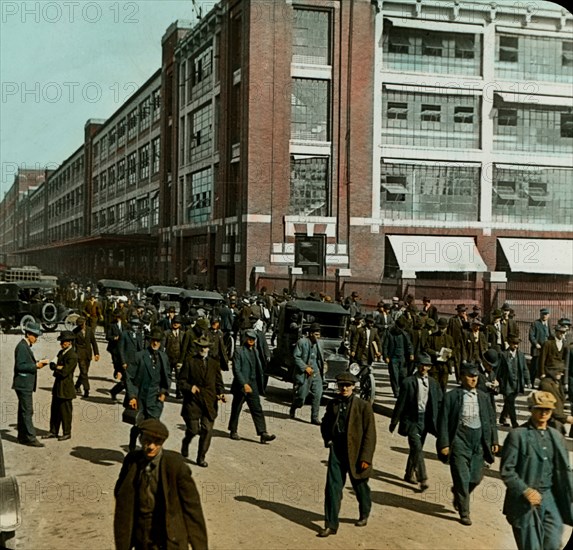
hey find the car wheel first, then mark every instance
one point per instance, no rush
(368, 388)
(25, 321)
(49, 312)
(48, 327)
(70, 321)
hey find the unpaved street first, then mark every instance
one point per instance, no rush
(254, 496)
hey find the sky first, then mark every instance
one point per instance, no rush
(64, 62)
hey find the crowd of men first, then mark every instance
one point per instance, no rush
(154, 353)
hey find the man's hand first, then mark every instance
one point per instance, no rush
(308, 371)
(118, 376)
(124, 366)
(195, 389)
(222, 398)
(178, 365)
(495, 449)
(162, 397)
(96, 357)
(364, 466)
(248, 388)
(532, 496)
(387, 360)
(538, 346)
(41, 364)
(133, 403)
(411, 357)
(445, 451)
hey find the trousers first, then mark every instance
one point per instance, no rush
(312, 385)
(254, 403)
(25, 424)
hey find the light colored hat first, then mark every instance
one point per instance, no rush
(541, 400)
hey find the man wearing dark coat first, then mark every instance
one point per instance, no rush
(458, 327)
(201, 384)
(85, 345)
(173, 344)
(554, 350)
(476, 344)
(24, 383)
(539, 332)
(552, 383)
(248, 385)
(113, 336)
(536, 471)
(63, 390)
(397, 350)
(157, 504)
(148, 382)
(417, 412)
(431, 310)
(367, 346)
(348, 430)
(442, 367)
(467, 436)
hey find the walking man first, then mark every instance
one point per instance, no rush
(248, 385)
(348, 430)
(85, 345)
(308, 372)
(539, 332)
(466, 437)
(24, 383)
(157, 504)
(536, 471)
(417, 411)
(397, 350)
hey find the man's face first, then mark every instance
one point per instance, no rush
(176, 326)
(540, 416)
(32, 338)
(559, 335)
(251, 341)
(215, 325)
(545, 316)
(423, 370)
(475, 328)
(203, 352)
(513, 346)
(345, 389)
(151, 445)
(155, 344)
(65, 344)
(469, 381)
(314, 336)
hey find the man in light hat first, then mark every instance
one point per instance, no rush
(513, 378)
(308, 373)
(201, 383)
(24, 383)
(539, 332)
(552, 382)
(63, 390)
(348, 430)
(467, 436)
(85, 345)
(536, 471)
(417, 412)
(157, 504)
(148, 382)
(248, 385)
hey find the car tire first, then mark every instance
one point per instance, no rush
(70, 321)
(368, 388)
(25, 321)
(49, 312)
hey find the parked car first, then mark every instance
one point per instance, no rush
(10, 509)
(205, 300)
(294, 321)
(25, 302)
(163, 297)
(110, 292)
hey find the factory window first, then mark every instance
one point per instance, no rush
(201, 133)
(311, 37)
(131, 168)
(310, 107)
(199, 186)
(509, 48)
(309, 186)
(309, 254)
(144, 162)
(132, 124)
(155, 155)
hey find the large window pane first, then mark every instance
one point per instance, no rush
(198, 196)
(309, 186)
(310, 108)
(311, 37)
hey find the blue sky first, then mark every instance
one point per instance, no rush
(63, 62)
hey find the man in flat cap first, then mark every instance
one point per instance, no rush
(552, 383)
(308, 373)
(24, 384)
(86, 347)
(417, 412)
(536, 471)
(248, 385)
(348, 430)
(63, 390)
(539, 332)
(467, 436)
(157, 503)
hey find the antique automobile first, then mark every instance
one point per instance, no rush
(24, 302)
(164, 297)
(10, 509)
(294, 321)
(200, 302)
(111, 291)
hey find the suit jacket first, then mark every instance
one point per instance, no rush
(521, 467)
(209, 381)
(84, 344)
(432, 312)
(25, 369)
(114, 330)
(63, 387)
(301, 356)
(365, 349)
(219, 349)
(510, 381)
(538, 334)
(406, 409)
(146, 384)
(473, 351)
(244, 372)
(177, 499)
(437, 341)
(173, 345)
(360, 433)
(492, 336)
(550, 354)
(458, 329)
(449, 421)
(130, 346)
(397, 344)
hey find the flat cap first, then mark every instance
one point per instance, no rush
(314, 327)
(513, 339)
(544, 311)
(497, 313)
(506, 307)
(469, 369)
(176, 319)
(203, 323)
(154, 428)
(423, 359)
(250, 333)
(66, 336)
(541, 400)
(560, 328)
(461, 307)
(442, 322)
(431, 323)
(346, 377)
(156, 334)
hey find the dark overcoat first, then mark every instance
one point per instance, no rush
(365, 349)
(360, 433)
(177, 497)
(25, 368)
(84, 344)
(406, 409)
(538, 334)
(521, 467)
(449, 421)
(509, 379)
(243, 373)
(129, 345)
(63, 387)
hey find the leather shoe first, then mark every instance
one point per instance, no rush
(33, 443)
(362, 522)
(201, 462)
(326, 532)
(49, 436)
(424, 486)
(465, 520)
(292, 412)
(316, 422)
(266, 438)
(235, 436)
(410, 479)
(86, 394)
(64, 437)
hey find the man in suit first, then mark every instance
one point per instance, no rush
(475, 345)
(92, 312)
(458, 327)
(113, 336)
(552, 383)
(157, 504)
(513, 378)
(467, 436)
(248, 385)
(308, 372)
(431, 310)
(495, 332)
(539, 332)
(24, 383)
(201, 384)
(218, 349)
(348, 430)
(536, 471)
(554, 350)
(508, 323)
(85, 345)
(417, 412)
(382, 319)
(436, 341)
(173, 345)
(367, 346)
(148, 382)
(63, 391)
(397, 350)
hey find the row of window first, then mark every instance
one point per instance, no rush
(65, 231)
(198, 190)
(133, 214)
(196, 77)
(64, 205)
(73, 173)
(196, 135)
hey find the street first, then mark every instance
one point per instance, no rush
(253, 495)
